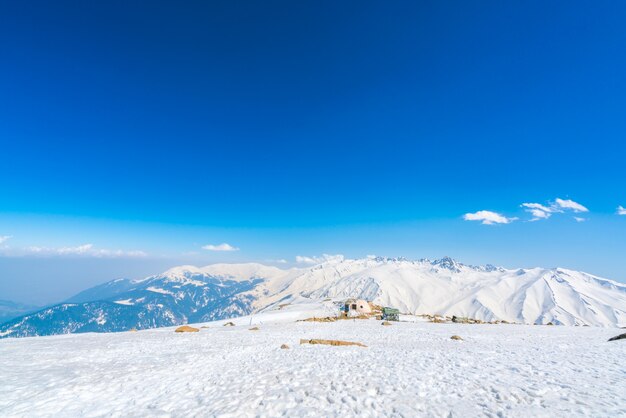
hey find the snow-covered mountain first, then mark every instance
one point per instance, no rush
(446, 287)
(180, 295)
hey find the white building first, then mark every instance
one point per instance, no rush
(357, 307)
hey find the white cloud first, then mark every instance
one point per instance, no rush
(221, 247)
(81, 249)
(86, 250)
(570, 204)
(4, 238)
(538, 214)
(308, 260)
(621, 210)
(488, 218)
(278, 261)
(537, 206)
(300, 259)
(538, 211)
(579, 219)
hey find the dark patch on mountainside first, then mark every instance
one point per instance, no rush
(152, 303)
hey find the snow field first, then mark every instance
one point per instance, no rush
(407, 370)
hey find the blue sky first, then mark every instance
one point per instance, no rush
(134, 134)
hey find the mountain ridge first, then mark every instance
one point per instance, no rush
(445, 286)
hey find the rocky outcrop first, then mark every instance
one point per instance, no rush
(186, 328)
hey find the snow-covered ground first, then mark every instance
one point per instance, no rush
(408, 369)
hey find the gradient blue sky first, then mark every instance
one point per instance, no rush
(151, 129)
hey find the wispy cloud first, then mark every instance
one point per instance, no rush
(487, 217)
(570, 204)
(300, 259)
(579, 219)
(84, 250)
(278, 261)
(538, 211)
(541, 212)
(79, 250)
(220, 247)
(4, 238)
(621, 210)
(538, 206)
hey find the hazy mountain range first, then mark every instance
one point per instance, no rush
(10, 310)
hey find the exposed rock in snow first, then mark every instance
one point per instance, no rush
(186, 328)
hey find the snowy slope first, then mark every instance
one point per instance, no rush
(446, 287)
(407, 369)
(488, 293)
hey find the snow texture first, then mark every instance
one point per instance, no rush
(408, 369)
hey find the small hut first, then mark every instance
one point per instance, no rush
(355, 307)
(391, 314)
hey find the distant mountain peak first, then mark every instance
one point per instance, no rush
(448, 263)
(382, 259)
